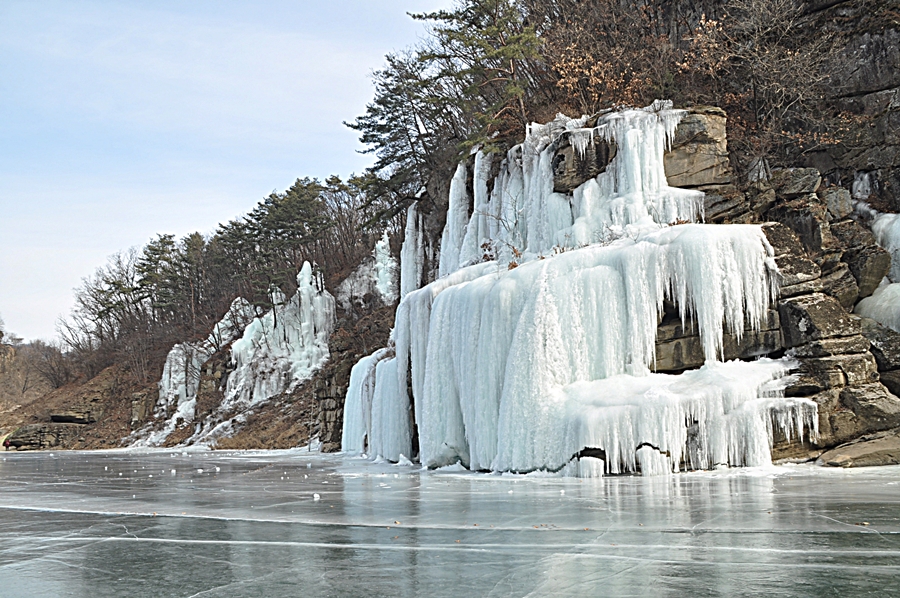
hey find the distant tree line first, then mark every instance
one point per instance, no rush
(133, 309)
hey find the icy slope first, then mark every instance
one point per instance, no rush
(520, 363)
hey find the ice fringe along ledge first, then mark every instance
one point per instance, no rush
(523, 363)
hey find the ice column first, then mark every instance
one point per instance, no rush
(457, 218)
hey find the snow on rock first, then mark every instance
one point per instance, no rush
(283, 347)
(883, 305)
(520, 363)
(181, 373)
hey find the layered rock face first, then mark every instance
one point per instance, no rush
(828, 261)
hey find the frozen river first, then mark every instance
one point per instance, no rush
(291, 524)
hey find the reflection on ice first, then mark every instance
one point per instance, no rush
(249, 524)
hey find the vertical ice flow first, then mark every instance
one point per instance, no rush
(284, 346)
(385, 271)
(519, 364)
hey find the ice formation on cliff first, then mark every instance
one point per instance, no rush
(376, 275)
(883, 305)
(283, 347)
(519, 363)
(385, 270)
(412, 253)
(181, 373)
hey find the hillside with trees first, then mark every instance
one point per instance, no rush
(798, 84)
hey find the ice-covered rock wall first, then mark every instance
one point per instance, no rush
(519, 363)
(283, 347)
(181, 373)
(376, 275)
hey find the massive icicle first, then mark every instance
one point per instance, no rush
(412, 253)
(357, 430)
(519, 364)
(455, 229)
(283, 347)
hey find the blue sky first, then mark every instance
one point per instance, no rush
(120, 120)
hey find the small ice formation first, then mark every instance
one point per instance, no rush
(385, 270)
(861, 188)
(883, 305)
(887, 232)
(534, 349)
(283, 347)
(376, 275)
(181, 373)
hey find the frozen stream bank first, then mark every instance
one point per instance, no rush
(248, 524)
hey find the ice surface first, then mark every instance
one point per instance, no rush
(250, 525)
(512, 362)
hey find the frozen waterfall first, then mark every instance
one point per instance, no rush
(538, 340)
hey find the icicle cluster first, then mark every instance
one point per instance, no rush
(520, 363)
(523, 215)
(283, 347)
